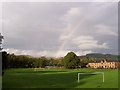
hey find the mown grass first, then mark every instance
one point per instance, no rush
(0, 82)
(58, 78)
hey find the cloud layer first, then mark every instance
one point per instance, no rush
(88, 42)
(53, 28)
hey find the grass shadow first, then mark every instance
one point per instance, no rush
(84, 76)
(48, 71)
(52, 80)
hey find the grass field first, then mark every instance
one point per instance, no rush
(58, 78)
(0, 82)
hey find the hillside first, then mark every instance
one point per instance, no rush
(100, 56)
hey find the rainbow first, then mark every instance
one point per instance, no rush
(69, 32)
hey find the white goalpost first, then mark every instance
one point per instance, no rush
(91, 73)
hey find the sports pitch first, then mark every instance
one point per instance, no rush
(59, 78)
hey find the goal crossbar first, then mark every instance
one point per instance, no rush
(91, 73)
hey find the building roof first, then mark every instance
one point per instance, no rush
(98, 61)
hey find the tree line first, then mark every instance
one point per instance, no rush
(71, 61)
(22, 61)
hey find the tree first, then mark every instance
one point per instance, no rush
(4, 61)
(1, 37)
(71, 60)
(85, 60)
(42, 62)
(2, 57)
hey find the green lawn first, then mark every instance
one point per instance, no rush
(58, 78)
(0, 82)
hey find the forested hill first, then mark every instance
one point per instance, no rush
(99, 56)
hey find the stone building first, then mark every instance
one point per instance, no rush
(104, 64)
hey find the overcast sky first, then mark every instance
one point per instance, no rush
(54, 28)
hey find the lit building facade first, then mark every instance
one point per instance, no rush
(104, 64)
